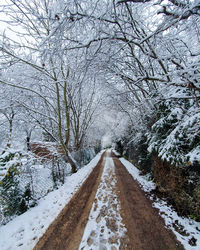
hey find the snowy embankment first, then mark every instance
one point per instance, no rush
(186, 230)
(24, 231)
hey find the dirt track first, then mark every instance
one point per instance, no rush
(145, 228)
(66, 231)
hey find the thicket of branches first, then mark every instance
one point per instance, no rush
(74, 70)
(62, 55)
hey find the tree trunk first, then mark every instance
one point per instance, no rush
(28, 143)
(71, 161)
(10, 133)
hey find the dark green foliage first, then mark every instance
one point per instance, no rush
(119, 147)
(143, 156)
(27, 193)
(7, 158)
(175, 134)
(137, 152)
(28, 198)
(11, 195)
(23, 206)
(13, 200)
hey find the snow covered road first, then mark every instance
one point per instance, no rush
(105, 228)
(24, 231)
(110, 211)
(106, 209)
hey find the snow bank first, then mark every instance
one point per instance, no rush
(186, 229)
(189, 228)
(25, 230)
(146, 184)
(115, 152)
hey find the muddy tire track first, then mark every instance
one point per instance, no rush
(67, 230)
(145, 228)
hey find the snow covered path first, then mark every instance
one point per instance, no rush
(110, 211)
(24, 231)
(106, 209)
(105, 228)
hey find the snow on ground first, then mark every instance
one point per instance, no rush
(115, 152)
(185, 229)
(24, 231)
(146, 184)
(104, 228)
